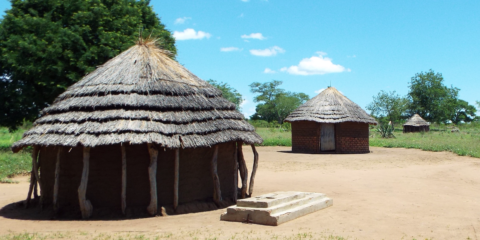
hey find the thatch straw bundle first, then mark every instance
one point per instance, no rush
(330, 106)
(140, 96)
(416, 121)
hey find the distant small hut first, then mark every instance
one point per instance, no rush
(140, 132)
(416, 124)
(330, 123)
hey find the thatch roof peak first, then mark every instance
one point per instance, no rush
(140, 96)
(330, 106)
(416, 121)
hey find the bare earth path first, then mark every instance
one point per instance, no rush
(387, 194)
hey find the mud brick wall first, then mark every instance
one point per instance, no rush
(351, 137)
(104, 181)
(306, 137)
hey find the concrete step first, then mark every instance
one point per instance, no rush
(280, 205)
(276, 208)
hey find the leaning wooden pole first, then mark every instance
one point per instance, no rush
(35, 151)
(57, 177)
(85, 205)
(254, 169)
(243, 169)
(235, 175)
(124, 179)
(30, 189)
(152, 174)
(217, 194)
(176, 178)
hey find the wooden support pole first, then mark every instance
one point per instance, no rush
(152, 174)
(217, 194)
(85, 205)
(35, 151)
(254, 169)
(176, 179)
(124, 179)
(243, 169)
(30, 189)
(235, 175)
(57, 176)
(36, 185)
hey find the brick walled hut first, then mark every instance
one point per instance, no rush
(330, 123)
(139, 133)
(416, 124)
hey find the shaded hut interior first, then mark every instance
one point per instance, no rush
(330, 123)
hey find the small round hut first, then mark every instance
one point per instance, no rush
(416, 124)
(330, 123)
(139, 132)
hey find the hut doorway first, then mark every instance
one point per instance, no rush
(327, 137)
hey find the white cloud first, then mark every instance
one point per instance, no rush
(258, 36)
(190, 33)
(319, 90)
(245, 101)
(267, 52)
(182, 20)
(268, 70)
(316, 65)
(230, 49)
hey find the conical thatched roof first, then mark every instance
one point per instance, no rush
(140, 96)
(330, 106)
(416, 121)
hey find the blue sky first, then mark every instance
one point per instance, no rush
(361, 47)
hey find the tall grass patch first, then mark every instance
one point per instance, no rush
(465, 142)
(12, 164)
(275, 136)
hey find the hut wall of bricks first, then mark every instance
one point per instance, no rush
(350, 137)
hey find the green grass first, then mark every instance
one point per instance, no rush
(464, 143)
(275, 137)
(12, 164)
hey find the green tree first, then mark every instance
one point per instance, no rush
(46, 46)
(430, 98)
(462, 112)
(389, 106)
(228, 92)
(275, 104)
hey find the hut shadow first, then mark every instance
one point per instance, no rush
(18, 211)
(322, 153)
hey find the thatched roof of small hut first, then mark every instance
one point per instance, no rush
(330, 106)
(140, 96)
(416, 121)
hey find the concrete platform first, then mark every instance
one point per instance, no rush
(276, 208)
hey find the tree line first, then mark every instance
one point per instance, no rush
(428, 97)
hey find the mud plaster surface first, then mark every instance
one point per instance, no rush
(388, 194)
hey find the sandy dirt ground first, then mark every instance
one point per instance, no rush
(387, 194)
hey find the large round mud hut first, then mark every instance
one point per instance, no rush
(416, 124)
(139, 133)
(330, 123)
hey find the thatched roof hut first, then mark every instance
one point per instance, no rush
(331, 123)
(416, 124)
(136, 108)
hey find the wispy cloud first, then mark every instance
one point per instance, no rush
(353, 56)
(189, 34)
(245, 101)
(316, 65)
(245, 0)
(272, 51)
(319, 90)
(268, 70)
(230, 49)
(258, 36)
(182, 20)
